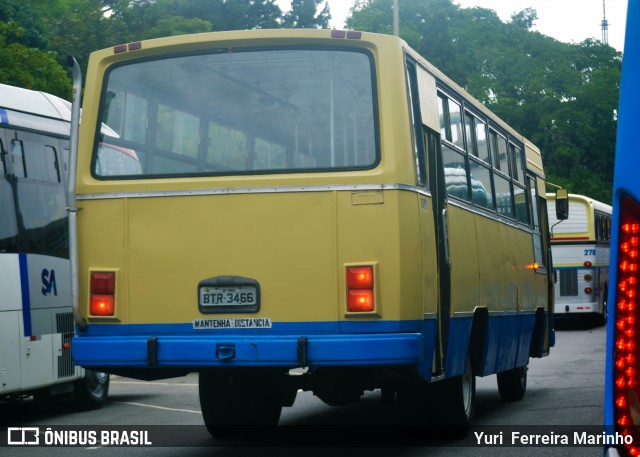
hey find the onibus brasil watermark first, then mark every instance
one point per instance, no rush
(34, 436)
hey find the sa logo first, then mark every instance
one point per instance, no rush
(49, 282)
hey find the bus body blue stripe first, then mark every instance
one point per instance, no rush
(4, 117)
(410, 342)
(26, 297)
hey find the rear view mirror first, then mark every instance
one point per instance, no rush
(562, 204)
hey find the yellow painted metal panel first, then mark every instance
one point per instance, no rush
(463, 249)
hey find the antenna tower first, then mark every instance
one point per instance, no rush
(605, 25)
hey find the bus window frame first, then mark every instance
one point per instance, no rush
(150, 135)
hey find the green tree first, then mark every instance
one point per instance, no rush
(30, 68)
(525, 18)
(561, 96)
(304, 14)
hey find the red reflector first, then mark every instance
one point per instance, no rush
(588, 278)
(103, 283)
(102, 305)
(626, 367)
(359, 300)
(360, 277)
(587, 264)
(588, 290)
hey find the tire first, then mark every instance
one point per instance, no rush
(235, 403)
(452, 405)
(602, 318)
(512, 384)
(458, 400)
(91, 391)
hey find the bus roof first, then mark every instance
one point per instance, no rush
(595, 204)
(34, 110)
(34, 102)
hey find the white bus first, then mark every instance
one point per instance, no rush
(36, 322)
(580, 250)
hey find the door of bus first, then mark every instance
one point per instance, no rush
(434, 231)
(439, 201)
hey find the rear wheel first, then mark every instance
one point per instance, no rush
(512, 384)
(237, 402)
(91, 391)
(457, 401)
(444, 408)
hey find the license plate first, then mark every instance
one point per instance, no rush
(228, 296)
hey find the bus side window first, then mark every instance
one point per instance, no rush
(17, 159)
(3, 158)
(8, 222)
(536, 215)
(499, 148)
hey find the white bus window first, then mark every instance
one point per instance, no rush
(455, 118)
(3, 157)
(517, 158)
(522, 205)
(481, 141)
(504, 200)
(116, 161)
(227, 148)
(177, 132)
(269, 156)
(455, 173)
(468, 133)
(17, 159)
(499, 148)
(442, 115)
(8, 221)
(537, 237)
(481, 189)
(41, 162)
(134, 118)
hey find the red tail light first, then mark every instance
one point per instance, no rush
(360, 277)
(360, 296)
(102, 294)
(626, 367)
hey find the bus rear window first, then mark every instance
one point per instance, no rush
(241, 112)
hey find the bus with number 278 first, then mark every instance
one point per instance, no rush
(580, 251)
(314, 199)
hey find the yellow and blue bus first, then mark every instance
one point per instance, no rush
(622, 374)
(580, 250)
(36, 323)
(318, 199)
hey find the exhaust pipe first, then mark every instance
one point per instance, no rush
(72, 207)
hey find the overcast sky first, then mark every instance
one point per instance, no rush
(564, 20)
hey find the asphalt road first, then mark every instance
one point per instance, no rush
(564, 395)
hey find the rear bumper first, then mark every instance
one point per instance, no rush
(569, 309)
(191, 351)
